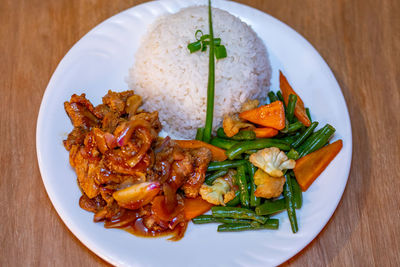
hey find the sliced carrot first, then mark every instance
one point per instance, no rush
(309, 167)
(265, 132)
(299, 111)
(194, 207)
(218, 154)
(272, 115)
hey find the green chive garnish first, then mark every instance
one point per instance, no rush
(211, 82)
(193, 47)
(220, 52)
(203, 40)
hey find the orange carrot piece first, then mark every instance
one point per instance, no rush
(299, 110)
(265, 132)
(272, 115)
(194, 207)
(218, 154)
(309, 167)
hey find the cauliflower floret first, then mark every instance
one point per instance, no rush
(267, 186)
(272, 161)
(232, 125)
(249, 105)
(219, 193)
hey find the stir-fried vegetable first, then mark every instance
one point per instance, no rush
(272, 224)
(309, 167)
(317, 140)
(217, 153)
(270, 207)
(241, 181)
(211, 178)
(254, 200)
(242, 147)
(278, 160)
(227, 164)
(195, 206)
(241, 135)
(287, 90)
(272, 115)
(237, 213)
(289, 201)
(219, 193)
(265, 132)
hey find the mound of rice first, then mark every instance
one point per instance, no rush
(174, 82)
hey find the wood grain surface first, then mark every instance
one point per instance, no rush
(359, 39)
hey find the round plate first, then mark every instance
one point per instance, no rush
(100, 61)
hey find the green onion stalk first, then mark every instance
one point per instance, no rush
(211, 82)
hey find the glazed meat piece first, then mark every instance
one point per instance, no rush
(86, 172)
(152, 118)
(110, 119)
(75, 137)
(117, 101)
(80, 111)
(92, 205)
(192, 185)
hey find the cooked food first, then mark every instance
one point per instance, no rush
(174, 81)
(261, 159)
(123, 168)
(270, 170)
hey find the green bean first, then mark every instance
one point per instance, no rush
(202, 219)
(237, 213)
(315, 141)
(210, 179)
(256, 144)
(272, 97)
(308, 114)
(291, 210)
(251, 169)
(232, 220)
(271, 224)
(241, 135)
(242, 183)
(244, 135)
(280, 97)
(271, 207)
(303, 136)
(251, 151)
(226, 164)
(293, 154)
(293, 127)
(297, 194)
(290, 107)
(200, 133)
(290, 139)
(234, 202)
(223, 143)
(221, 133)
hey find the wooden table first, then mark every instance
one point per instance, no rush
(359, 39)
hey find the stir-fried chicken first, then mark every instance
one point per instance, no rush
(192, 185)
(127, 174)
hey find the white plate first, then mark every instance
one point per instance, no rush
(100, 61)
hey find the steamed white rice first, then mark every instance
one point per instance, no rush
(174, 82)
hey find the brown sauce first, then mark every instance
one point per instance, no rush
(137, 228)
